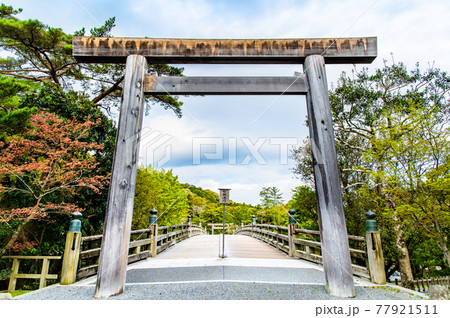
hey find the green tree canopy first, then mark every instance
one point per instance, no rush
(161, 190)
(391, 131)
(270, 197)
(40, 53)
(304, 203)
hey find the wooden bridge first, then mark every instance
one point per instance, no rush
(209, 246)
(187, 241)
(254, 244)
(183, 262)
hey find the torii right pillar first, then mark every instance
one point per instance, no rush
(333, 230)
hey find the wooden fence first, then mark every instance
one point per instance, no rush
(423, 284)
(305, 244)
(43, 276)
(140, 245)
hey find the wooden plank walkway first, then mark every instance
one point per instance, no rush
(236, 246)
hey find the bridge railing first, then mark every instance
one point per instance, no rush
(305, 244)
(274, 235)
(82, 254)
(172, 234)
(43, 276)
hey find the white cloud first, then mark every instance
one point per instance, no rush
(412, 30)
(245, 181)
(174, 18)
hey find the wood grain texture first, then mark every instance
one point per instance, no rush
(207, 246)
(375, 258)
(43, 276)
(32, 257)
(141, 248)
(226, 85)
(13, 276)
(333, 230)
(154, 237)
(44, 273)
(235, 51)
(116, 234)
(71, 257)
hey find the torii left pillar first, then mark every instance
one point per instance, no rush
(112, 267)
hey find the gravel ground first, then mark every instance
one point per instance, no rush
(218, 291)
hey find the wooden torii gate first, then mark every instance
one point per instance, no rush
(312, 53)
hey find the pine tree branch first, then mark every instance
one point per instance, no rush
(33, 78)
(108, 91)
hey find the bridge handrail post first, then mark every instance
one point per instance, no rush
(253, 225)
(72, 251)
(374, 250)
(189, 226)
(153, 224)
(291, 232)
(279, 239)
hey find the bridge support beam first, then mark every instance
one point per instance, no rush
(333, 230)
(116, 234)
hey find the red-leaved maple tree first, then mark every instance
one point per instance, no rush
(51, 157)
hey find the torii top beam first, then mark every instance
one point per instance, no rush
(224, 51)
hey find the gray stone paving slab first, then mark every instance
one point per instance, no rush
(177, 274)
(274, 274)
(218, 291)
(238, 273)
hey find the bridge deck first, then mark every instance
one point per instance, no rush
(192, 269)
(236, 246)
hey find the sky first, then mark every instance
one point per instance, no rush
(243, 142)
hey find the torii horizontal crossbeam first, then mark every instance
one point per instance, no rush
(226, 85)
(224, 51)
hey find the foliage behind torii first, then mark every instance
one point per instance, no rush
(392, 141)
(41, 53)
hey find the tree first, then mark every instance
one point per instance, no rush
(51, 158)
(161, 190)
(303, 168)
(349, 148)
(432, 211)
(198, 206)
(19, 100)
(391, 130)
(377, 117)
(271, 209)
(69, 105)
(304, 203)
(415, 148)
(270, 196)
(41, 53)
(13, 118)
